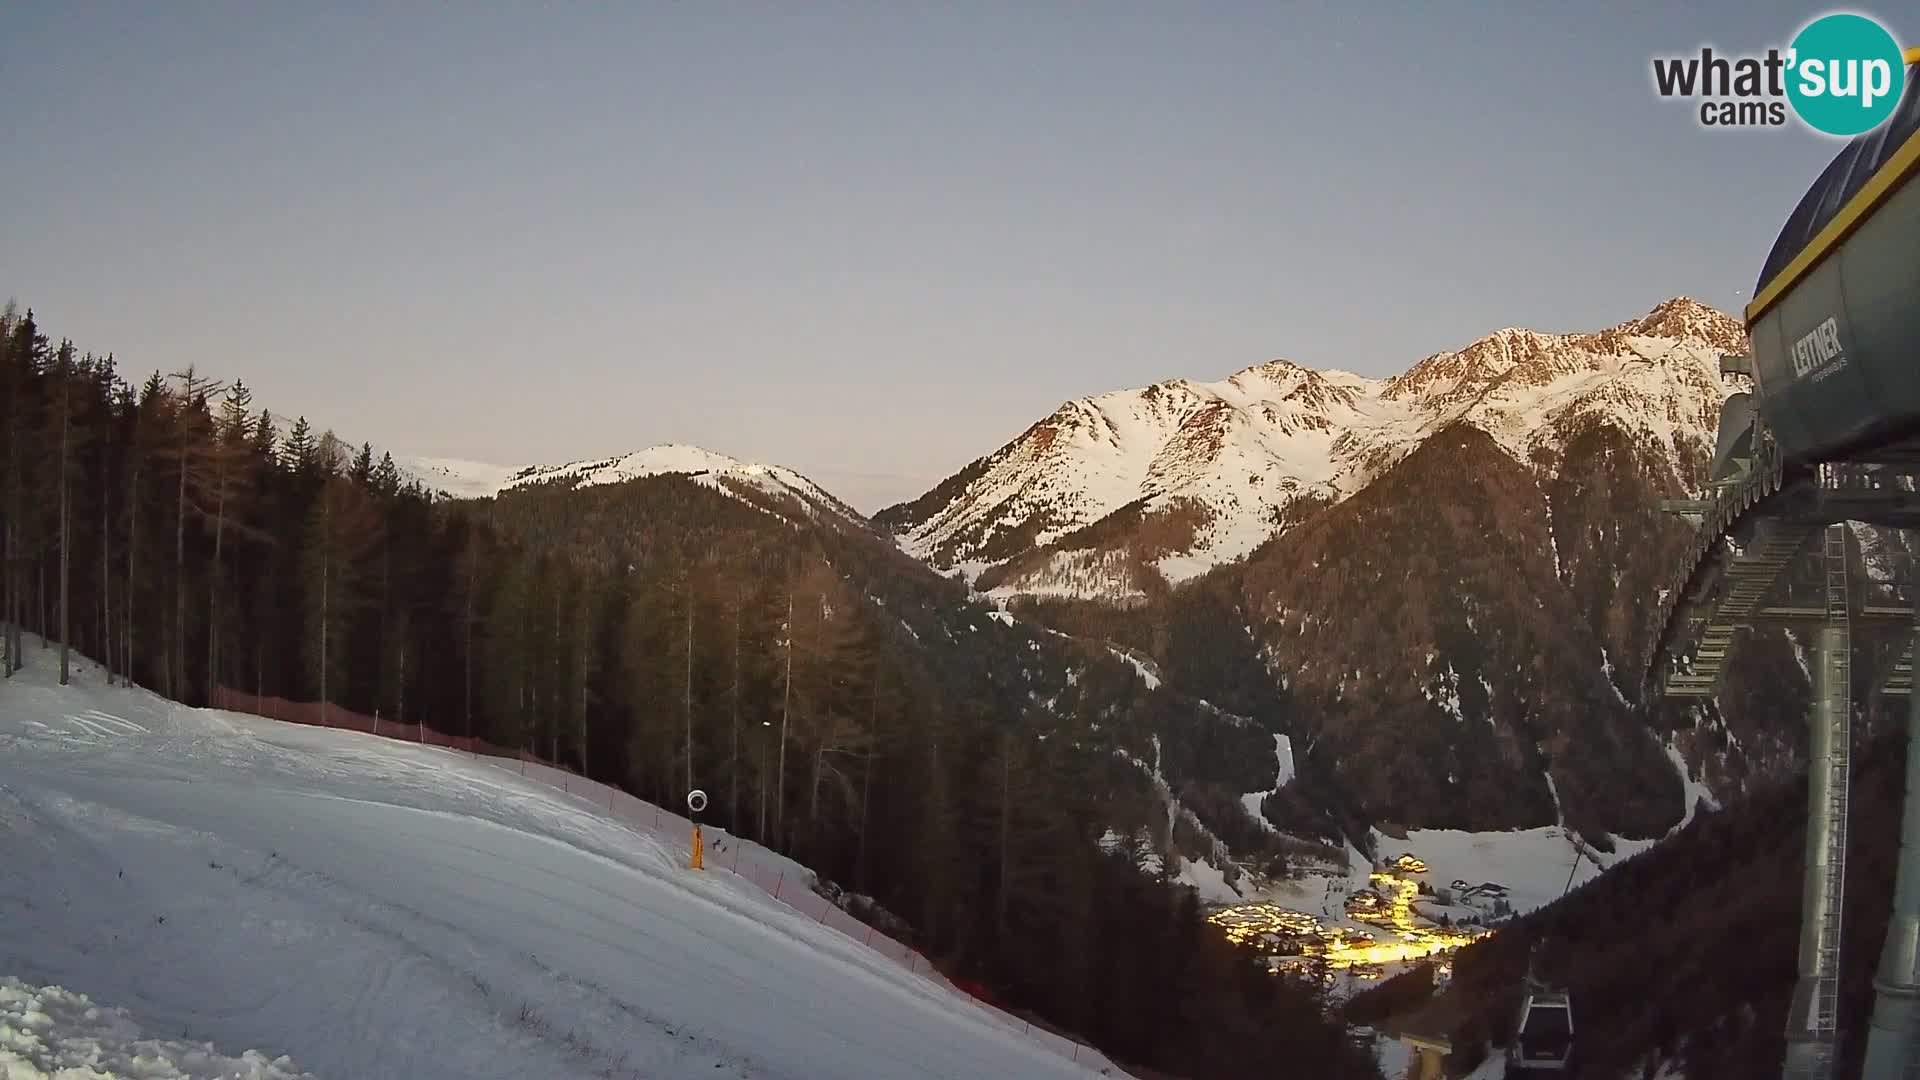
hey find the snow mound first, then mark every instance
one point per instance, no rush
(49, 1033)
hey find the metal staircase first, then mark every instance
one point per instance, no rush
(1749, 576)
(1899, 681)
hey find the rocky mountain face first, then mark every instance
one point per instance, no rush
(1450, 663)
(1442, 574)
(1116, 497)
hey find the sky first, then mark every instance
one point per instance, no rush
(870, 241)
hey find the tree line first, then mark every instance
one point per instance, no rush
(835, 700)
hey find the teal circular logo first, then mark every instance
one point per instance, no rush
(1845, 75)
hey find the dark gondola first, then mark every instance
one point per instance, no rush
(1543, 1043)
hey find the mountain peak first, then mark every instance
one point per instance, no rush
(1278, 367)
(1686, 319)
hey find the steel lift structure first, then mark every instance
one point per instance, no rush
(1830, 434)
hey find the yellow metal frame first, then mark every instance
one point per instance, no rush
(1902, 165)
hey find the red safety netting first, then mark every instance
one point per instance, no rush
(765, 870)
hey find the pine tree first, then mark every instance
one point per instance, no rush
(386, 477)
(580, 665)
(229, 457)
(9, 320)
(301, 453)
(191, 453)
(116, 401)
(152, 423)
(66, 398)
(510, 645)
(265, 439)
(341, 529)
(25, 360)
(469, 607)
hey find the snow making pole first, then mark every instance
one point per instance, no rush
(1891, 1043)
(1812, 1018)
(696, 802)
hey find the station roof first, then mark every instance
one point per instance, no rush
(1868, 169)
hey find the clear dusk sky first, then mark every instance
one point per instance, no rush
(871, 241)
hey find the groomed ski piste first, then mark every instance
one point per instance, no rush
(322, 902)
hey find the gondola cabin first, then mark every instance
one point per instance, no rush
(1543, 1043)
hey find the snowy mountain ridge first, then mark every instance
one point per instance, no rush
(477, 480)
(1191, 475)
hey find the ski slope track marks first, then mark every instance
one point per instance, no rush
(375, 908)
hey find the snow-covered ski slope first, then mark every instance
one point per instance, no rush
(372, 909)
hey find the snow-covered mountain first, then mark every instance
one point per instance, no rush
(1135, 488)
(476, 480)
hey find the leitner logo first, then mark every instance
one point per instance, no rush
(1818, 348)
(1843, 74)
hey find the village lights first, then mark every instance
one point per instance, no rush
(1296, 937)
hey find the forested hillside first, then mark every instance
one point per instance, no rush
(838, 700)
(1683, 956)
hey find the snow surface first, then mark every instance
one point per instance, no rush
(1537, 866)
(1394, 1057)
(374, 908)
(1206, 879)
(1283, 756)
(1146, 674)
(50, 1033)
(458, 478)
(1696, 791)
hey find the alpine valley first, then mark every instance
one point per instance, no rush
(1433, 588)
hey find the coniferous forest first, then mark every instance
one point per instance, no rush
(837, 700)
